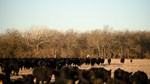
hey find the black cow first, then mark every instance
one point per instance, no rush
(51, 63)
(76, 61)
(98, 61)
(93, 61)
(139, 77)
(122, 60)
(131, 60)
(29, 79)
(6, 69)
(10, 65)
(102, 60)
(42, 74)
(14, 65)
(94, 76)
(109, 60)
(101, 73)
(87, 60)
(67, 75)
(122, 75)
(85, 77)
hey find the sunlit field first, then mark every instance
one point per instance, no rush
(137, 64)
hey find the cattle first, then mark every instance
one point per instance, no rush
(51, 63)
(101, 73)
(102, 60)
(122, 75)
(76, 61)
(60, 63)
(122, 60)
(93, 61)
(94, 76)
(6, 69)
(131, 60)
(139, 77)
(98, 61)
(15, 67)
(29, 79)
(42, 74)
(109, 60)
(11, 66)
(29, 63)
(85, 77)
(67, 75)
(87, 61)
(44, 68)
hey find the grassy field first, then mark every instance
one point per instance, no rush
(137, 64)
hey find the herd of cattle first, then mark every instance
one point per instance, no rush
(66, 71)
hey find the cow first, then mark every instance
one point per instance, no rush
(10, 66)
(94, 76)
(98, 61)
(85, 77)
(122, 75)
(101, 73)
(131, 60)
(6, 69)
(122, 60)
(42, 74)
(67, 75)
(139, 77)
(87, 61)
(102, 60)
(93, 61)
(14, 65)
(29, 79)
(109, 60)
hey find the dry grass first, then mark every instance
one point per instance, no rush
(137, 64)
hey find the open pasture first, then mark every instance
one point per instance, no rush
(137, 64)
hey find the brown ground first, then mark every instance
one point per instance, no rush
(137, 64)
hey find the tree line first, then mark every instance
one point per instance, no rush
(48, 43)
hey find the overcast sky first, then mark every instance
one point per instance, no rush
(80, 15)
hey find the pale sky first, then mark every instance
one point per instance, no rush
(81, 15)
